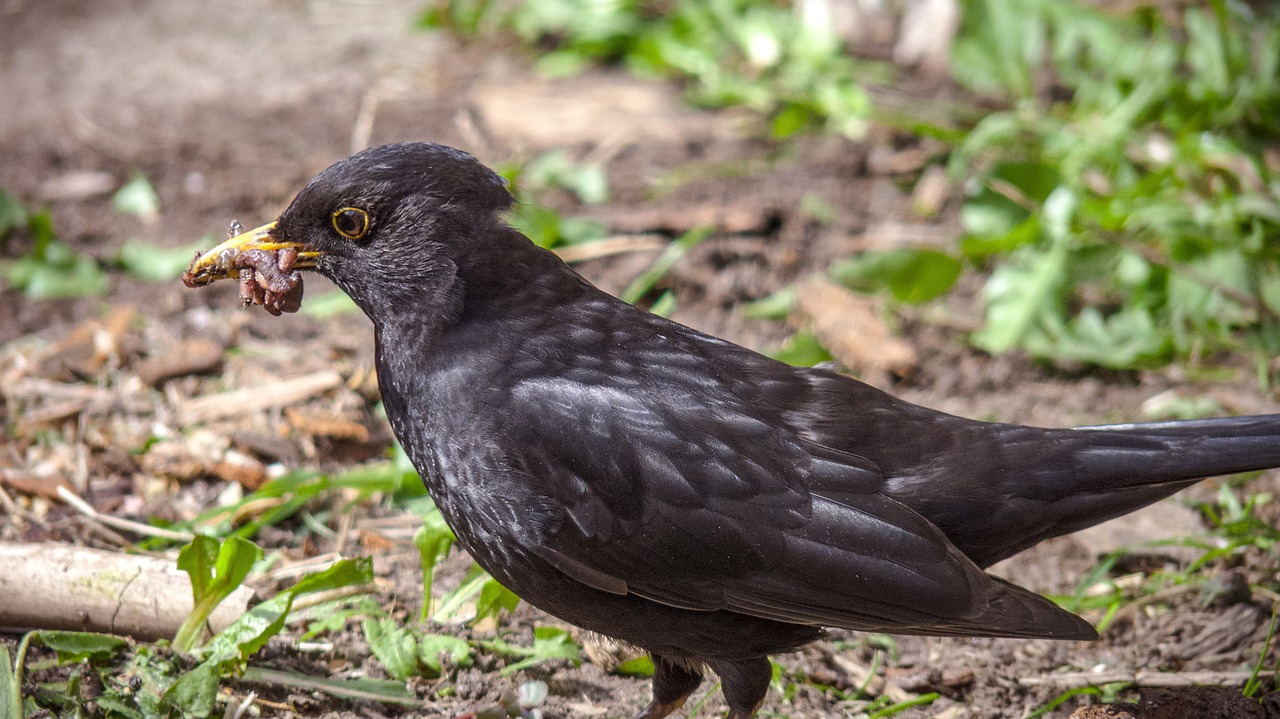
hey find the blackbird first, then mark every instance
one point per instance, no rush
(675, 491)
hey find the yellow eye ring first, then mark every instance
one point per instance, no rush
(350, 222)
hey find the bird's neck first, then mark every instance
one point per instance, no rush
(516, 278)
(508, 278)
(507, 266)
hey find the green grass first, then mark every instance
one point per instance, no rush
(146, 681)
(1129, 224)
(49, 269)
(1123, 206)
(783, 61)
(1234, 529)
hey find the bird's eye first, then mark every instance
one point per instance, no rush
(351, 222)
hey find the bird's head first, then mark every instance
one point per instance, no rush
(389, 226)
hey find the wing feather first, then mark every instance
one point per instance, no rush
(667, 500)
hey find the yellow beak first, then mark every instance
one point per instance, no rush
(220, 262)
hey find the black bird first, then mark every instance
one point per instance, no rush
(678, 492)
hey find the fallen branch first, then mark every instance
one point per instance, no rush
(30, 483)
(250, 399)
(1139, 679)
(650, 242)
(75, 502)
(53, 586)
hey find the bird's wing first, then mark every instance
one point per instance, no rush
(699, 504)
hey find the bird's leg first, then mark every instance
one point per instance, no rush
(744, 683)
(673, 681)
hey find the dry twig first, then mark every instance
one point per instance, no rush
(250, 399)
(1071, 680)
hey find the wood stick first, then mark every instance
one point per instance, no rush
(1140, 678)
(128, 525)
(57, 586)
(612, 246)
(249, 399)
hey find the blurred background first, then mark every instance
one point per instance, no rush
(1046, 212)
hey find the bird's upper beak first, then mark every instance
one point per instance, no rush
(221, 262)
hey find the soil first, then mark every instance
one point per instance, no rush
(228, 106)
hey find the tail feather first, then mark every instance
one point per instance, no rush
(1186, 449)
(1050, 482)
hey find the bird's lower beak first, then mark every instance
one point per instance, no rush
(227, 259)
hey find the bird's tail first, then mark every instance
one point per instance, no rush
(1182, 450)
(1060, 481)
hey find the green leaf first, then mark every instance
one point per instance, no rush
(363, 688)
(776, 306)
(10, 688)
(236, 558)
(1270, 291)
(452, 604)
(343, 573)
(1059, 209)
(51, 269)
(590, 184)
(980, 246)
(641, 285)
(114, 706)
(1036, 180)
(791, 119)
(1128, 338)
(333, 616)
(1016, 293)
(802, 349)
(137, 198)
(407, 652)
(561, 63)
(235, 644)
(394, 646)
(665, 305)
(494, 598)
(231, 648)
(553, 169)
(546, 228)
(79, 277)
(134, 689)
(157, 264)
(576, 230)
(12, 213)
(549, 644)
(1030, 286)
(432, 646)
(198, 559)
(928, 275)
(433, 540)
(1000, 47)
(193, 694)
(991, 214)
(80, 646)
(641, 666)
(215, 571)
(913, 276)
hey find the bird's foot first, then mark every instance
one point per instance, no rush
(656, 710)
(744, 713)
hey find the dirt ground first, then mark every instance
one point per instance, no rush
(228, 106)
